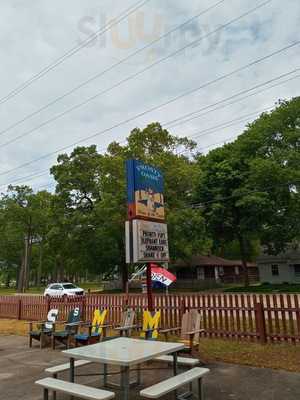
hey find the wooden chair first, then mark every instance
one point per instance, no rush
(150, 326)
(189, 331)
(43, 328)
(126, 325)
(92, 332)
(70, 329)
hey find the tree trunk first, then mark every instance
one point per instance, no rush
(23, 270)
(124, 275)
(40, 266)
(244, 260)
(29, 253)
(21, 277)
(7, 280)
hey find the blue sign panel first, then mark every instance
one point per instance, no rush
(145, 186)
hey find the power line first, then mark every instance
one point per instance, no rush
(227, 124)
(182, 120)
(120, 62)
(64, 148)
(225, 198)
(197, 134)
(31, 176)
(79, 105)
(250, 191)
(72, 51)
(222, 126)
(203, 114)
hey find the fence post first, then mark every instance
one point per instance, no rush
(19, 308)
(48, 304)
(183, 307)
(260, 322)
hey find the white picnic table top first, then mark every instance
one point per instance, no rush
(123, 351)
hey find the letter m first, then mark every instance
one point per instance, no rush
(150, 325)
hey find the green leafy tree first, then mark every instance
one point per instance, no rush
(249, 190)
(92, 191)
(24, 215)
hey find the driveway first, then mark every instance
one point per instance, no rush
(20, 367)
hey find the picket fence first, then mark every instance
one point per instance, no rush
(264, 318)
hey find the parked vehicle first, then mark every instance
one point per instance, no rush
(63, 289)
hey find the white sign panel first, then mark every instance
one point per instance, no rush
(149, 241)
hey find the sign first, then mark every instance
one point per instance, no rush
(162, 276)
(146, 241)
(145, 186)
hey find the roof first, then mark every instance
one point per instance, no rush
(210, 261)
(289, 257)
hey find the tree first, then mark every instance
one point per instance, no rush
(24, 223)
(92, 191)
(249, 189)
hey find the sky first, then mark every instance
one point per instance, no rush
(193, 69)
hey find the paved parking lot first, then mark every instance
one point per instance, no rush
(21, 366)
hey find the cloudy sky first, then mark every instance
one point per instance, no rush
(39, 117)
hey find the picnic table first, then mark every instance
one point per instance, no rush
(124, 352)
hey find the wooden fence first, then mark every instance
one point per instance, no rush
(264, 318)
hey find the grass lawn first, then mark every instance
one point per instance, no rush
(34, 290)
(276, 356)
(98, 287)
(265, 288)
(12, 291)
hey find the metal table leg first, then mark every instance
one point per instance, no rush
(54, 392)
(125, 383)
(200, 389)
(72, 370)
(175, 368)
(46, 392)
(138, 381)
(104, 375)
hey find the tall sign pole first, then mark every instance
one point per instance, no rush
(146, 230)
(149, 288)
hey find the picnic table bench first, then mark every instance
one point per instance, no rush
(172, 384)
(73, 389)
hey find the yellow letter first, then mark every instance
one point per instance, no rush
(150, 323)
(98, 320)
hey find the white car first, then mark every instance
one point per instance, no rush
(64, 289)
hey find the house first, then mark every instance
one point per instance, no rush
(283, 268)
(208, 271)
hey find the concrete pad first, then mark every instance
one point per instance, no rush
(21, 366)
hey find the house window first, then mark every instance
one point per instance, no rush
(200, 273)
(297, 270)
(275, 270)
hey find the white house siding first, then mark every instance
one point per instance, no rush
(285, 273)
(286, 267)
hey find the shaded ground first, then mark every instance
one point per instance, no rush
(21, 366)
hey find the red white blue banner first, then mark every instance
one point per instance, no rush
(162, 275)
